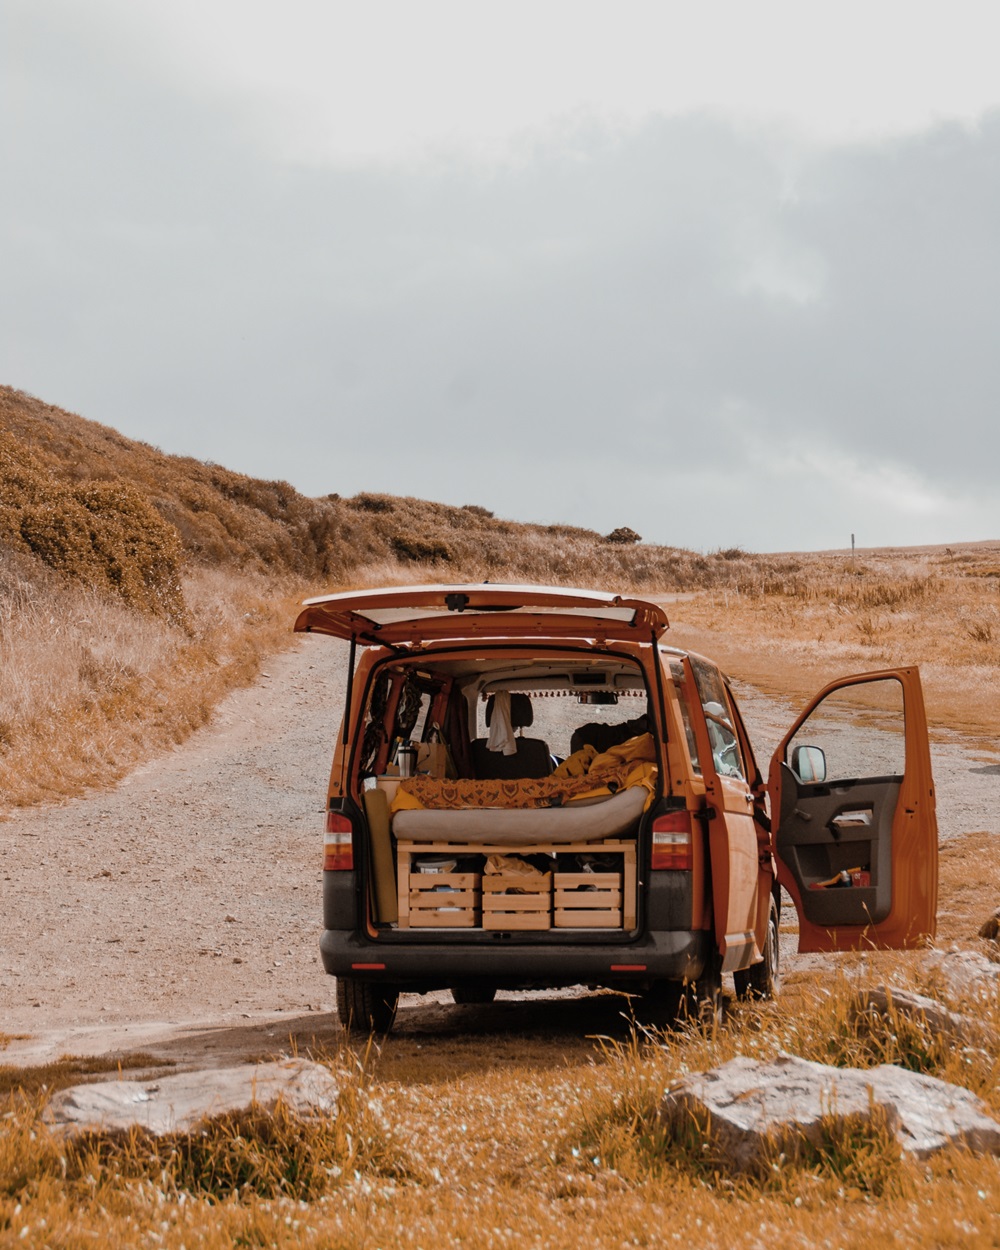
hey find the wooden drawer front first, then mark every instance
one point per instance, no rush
(587, 900)
(530, 908)
(445, 918)
(586, 918)
(444, 900)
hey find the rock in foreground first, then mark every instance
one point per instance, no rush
(884, 1003)
(175, 1104)
(753, 1107)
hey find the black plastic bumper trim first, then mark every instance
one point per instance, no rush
(669, 955)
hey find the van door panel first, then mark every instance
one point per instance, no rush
(880, 830)
(732, 841)
(732, 834)
(830, 830)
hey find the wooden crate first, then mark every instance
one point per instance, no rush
(587, 900)
(529, 908)
(441, 900)
(407, 850)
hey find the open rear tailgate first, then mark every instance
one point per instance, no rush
(418, 614)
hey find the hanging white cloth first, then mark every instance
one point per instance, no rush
(501, 731)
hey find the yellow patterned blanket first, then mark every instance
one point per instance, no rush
(585, 775)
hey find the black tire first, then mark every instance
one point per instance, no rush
(471, 995)
(662, 1005)
(763, 980)
(366, 1006)
(704, 995)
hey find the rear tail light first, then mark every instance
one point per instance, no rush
(338, 848)
(672, 841)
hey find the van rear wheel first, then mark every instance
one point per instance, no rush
(366, 1006)
(469, 995)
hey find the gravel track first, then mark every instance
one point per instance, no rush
(181, 910)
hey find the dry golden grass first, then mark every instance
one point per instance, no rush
(117, 1187)
(51, 459)
(547, 1142)
(137, 588)
(939, 608)
(969, 887)
(69, 1070)
(90, 686)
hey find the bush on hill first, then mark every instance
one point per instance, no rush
(104, 534)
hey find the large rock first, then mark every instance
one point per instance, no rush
(752, 1107)
(175, 1104)
(884, 1002)
(963, 973)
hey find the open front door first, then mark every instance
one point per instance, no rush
(732, 834)
(853, 821)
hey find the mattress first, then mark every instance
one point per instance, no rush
(583, 822)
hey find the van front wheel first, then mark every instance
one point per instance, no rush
(763, 980)
(366, 1006)
(704, 994)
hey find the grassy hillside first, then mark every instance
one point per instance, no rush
(54, 461)
(136, 588)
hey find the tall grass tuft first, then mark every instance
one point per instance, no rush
(254, 1153)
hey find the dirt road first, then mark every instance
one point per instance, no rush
(181, 910)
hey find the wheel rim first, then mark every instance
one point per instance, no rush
(774, 951)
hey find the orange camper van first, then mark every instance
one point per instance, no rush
(531, 789)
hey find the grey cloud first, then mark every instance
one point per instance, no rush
(651, 329)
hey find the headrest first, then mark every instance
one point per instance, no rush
(521, 712)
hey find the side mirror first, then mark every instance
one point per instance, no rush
(809, 764)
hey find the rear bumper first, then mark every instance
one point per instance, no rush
(672, 955)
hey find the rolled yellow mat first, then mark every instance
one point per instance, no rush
(383, 870)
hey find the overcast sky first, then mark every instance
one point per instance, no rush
(726, 273)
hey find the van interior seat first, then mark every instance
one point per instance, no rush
(602, 737)
(533, 758)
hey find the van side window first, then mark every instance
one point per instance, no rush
(726, 751)
(680, 685)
